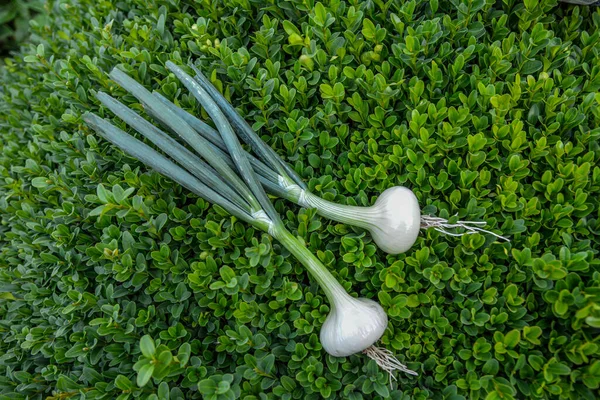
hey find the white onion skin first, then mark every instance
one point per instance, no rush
(397, 226)
(394, 221)
(352, 326)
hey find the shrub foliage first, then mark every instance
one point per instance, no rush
(15, 17)
(114, 283)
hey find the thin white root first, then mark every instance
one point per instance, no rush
(441, 225)
(387, 361)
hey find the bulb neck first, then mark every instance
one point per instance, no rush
(362, 217)
(329, 284)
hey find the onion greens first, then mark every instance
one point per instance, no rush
(247, 133)
(270, 179)
(179, 126)
(166, 167)
(186, 158)
(230, 139)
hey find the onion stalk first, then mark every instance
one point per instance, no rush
(395, 219)
(353, 325)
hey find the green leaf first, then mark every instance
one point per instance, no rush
(512, 338)
(30, 59)
(103, 194)
(40, 182)
(184, 354)
(147, 346)
(144, 374)
(163, 391)
(556, 368)
(369, 31)
(123, 383)
(207, 387)
(531, 66)
(532, 334)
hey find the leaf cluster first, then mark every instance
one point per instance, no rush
(15, 18)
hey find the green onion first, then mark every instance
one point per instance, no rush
(395, 219)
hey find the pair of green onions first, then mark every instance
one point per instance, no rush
(216, 168)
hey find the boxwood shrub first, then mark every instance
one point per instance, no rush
(15, 16)
(115, 283)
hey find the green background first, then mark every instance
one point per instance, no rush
(488, 109)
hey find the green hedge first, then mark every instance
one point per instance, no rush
(488, 109)
(15, 17)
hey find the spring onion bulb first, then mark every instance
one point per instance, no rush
(353, 325)
(394, 221)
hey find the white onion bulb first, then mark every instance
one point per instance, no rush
(398, 221)
(352, 325)
(394, 220)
